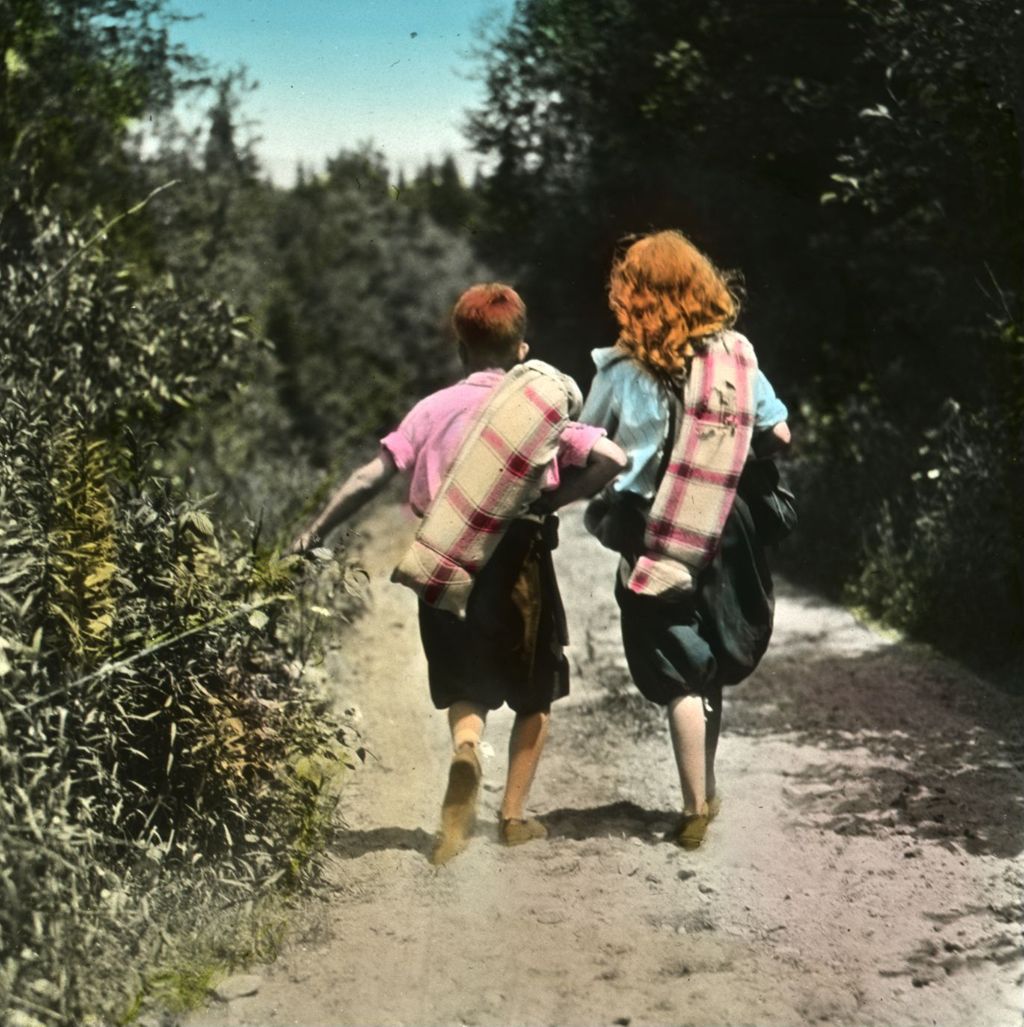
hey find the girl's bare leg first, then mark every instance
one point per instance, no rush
(712, 729)
(689, 736)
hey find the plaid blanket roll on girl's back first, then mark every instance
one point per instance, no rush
(685, 522)
(493, 480)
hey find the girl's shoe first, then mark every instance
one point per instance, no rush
(693, 827)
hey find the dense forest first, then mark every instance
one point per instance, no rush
(190, 355)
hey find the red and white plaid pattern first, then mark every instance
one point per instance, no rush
(696, 494)
(493, 480)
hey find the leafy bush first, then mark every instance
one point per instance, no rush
(921, 535)
(154, 710)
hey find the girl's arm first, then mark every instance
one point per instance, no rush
(773, 440)
(358, 489)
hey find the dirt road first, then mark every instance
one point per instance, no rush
(866, 867)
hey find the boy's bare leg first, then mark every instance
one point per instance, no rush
(458, 810)
(466, 722)
(525, 744)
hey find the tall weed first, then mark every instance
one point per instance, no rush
(159, 741)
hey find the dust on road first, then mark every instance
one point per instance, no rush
(866, 867)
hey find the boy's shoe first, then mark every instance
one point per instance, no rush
(515, 831)
(458, 811)
(693, 827)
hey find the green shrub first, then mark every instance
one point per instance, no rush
(154, 711)
(918, 527)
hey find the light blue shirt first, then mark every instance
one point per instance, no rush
(629, 403)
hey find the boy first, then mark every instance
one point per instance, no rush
(508, 649)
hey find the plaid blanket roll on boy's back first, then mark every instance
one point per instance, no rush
(695, 495)
(494, 479)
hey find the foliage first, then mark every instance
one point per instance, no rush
(74, 80)
(358, 301)
(154, 713)
(934, 551)
(608, 119)
(438, 190)
(874, 213)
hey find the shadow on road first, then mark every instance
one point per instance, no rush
(616, 819)
(908, 739)
(348, 844)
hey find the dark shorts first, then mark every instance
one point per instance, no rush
(510, 648)
(718, 637)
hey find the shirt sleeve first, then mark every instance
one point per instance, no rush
(769, 409)
(576, 443)
(600, 408)
(403, 442)
(629, 403)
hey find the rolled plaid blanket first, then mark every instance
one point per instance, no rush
(495, 477)
(696, 493)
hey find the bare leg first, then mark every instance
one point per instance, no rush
(525, 744)
(466, 722)
(458, 810)
(713, 727)
(689, 735)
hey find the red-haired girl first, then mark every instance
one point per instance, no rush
(681, 393)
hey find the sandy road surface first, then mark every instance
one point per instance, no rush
(866, 868)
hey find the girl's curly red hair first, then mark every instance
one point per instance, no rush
(668, 297)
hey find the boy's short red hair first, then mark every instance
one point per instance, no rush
(490, 316)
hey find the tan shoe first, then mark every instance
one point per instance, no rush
(458, 810)
(515, 831)
(693, 827)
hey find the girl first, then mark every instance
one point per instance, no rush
(681, 394)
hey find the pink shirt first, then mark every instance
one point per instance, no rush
(427, 441)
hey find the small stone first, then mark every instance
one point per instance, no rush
(705, 889)
(236, 986)
(685, 875)
(653, 879)
(681, 929)
(623, 1021)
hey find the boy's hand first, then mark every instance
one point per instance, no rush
(606, 460)
(303, 543)
(542, 505)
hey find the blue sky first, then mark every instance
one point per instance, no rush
(335, 74)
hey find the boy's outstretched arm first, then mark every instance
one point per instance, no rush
(606, 460)
(357, 489)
